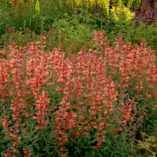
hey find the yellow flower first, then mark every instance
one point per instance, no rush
(37, 6)
(121, 14)
(91, 3)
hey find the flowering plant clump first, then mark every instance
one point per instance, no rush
(133, 69)
(118, 11)
(48, 100)
(121, 14)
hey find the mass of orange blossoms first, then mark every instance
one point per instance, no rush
(92, 87)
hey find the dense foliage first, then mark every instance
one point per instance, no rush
(56, 99)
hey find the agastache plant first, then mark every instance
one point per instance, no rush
(59, 98)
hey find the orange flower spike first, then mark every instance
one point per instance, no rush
(5, 122)
(27, 152)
